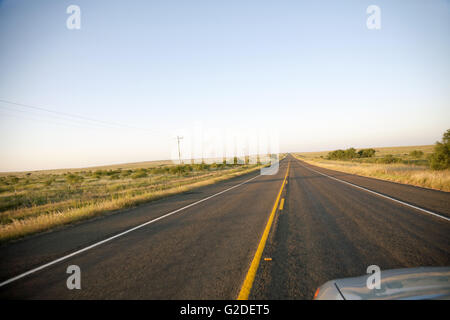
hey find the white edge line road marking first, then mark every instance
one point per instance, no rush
(379, 194)
(119, 235)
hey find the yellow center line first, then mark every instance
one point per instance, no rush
(281, 204)
(248, 282)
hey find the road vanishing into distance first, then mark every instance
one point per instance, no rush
(258, 237)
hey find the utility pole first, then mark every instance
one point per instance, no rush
(179, 153)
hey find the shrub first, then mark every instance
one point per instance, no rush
(366, 153)
(440, 159)
(161, 170)
(126, 173)
(141, 173)
(336, 154)
(113, 172)
(180, 169)
(350, 154)
(73, 178)
(99, 173)
(49, 182)
(389, 158)
(177, 169)
(200, 166)
(219, 166)
(14, 179)
(342, 154)
(416, 154)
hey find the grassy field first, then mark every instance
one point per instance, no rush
(408, 169)
(36, 201)
(402, 152)
(122, 166)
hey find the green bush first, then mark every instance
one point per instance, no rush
(342, 154)
(440, 159)
(14, 179)
(181, 169)
(113, 172)
(126, 173)
(73, 178)
(48, 182)
(177, 169)
(161, 170)
(389, 158)
(99, 173)
(366, 153)
(350, 154)
(416, 154)
(141, 173)
(336, 155)
(200, 166)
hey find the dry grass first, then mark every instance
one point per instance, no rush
(417, 175)
(120, 166)
(29, 206)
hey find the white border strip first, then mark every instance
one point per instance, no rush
(379, 194)
(119, 235)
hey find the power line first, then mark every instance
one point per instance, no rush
(33, 118)
(59, 112)
(58, 120)
(76, 116)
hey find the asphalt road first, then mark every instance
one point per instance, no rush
(326, 230)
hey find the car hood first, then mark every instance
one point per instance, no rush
(411, 283)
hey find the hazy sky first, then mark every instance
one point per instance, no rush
(146, 70)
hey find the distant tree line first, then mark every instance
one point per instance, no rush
(350, 153)
(438, 160)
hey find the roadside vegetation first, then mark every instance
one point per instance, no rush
(423, 166)
(31, 202)
(440, 159)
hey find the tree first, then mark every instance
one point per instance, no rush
(440, 159)
(366, 153)
(350, 153)
(342, 154)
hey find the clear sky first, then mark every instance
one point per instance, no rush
(144, 70)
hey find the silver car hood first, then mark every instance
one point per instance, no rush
(411, 283)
